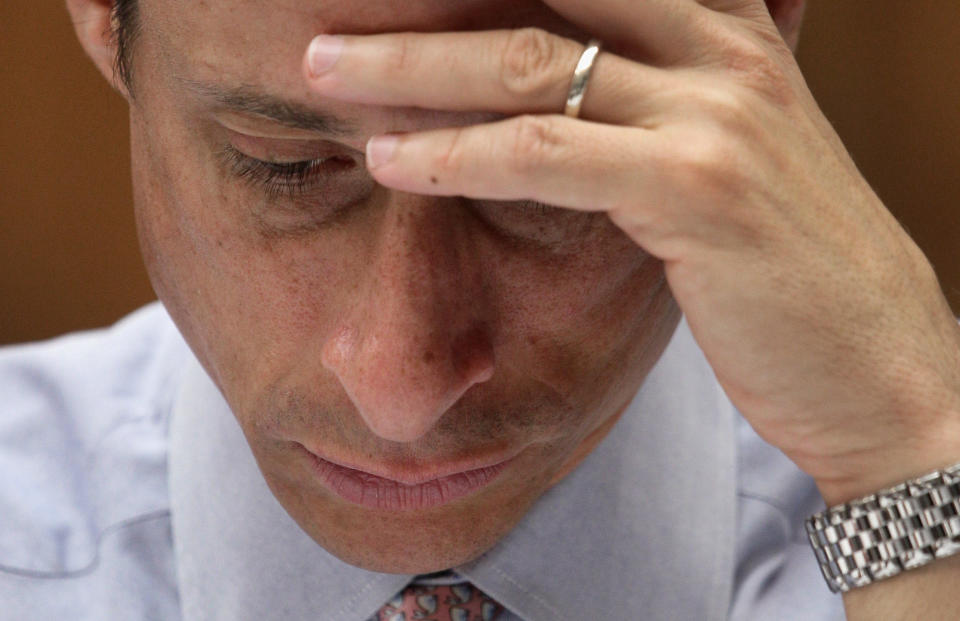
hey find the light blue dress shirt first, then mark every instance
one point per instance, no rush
(128, 492)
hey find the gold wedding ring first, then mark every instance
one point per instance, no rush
(581, 78)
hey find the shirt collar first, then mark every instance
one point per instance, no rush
(646, 522)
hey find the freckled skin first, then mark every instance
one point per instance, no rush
(411, 332)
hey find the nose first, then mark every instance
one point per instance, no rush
(415, 339)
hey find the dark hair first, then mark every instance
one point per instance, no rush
(126, 26)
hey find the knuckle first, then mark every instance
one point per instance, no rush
(526, 62)
(710, 165)
(400, 55)
(727, 108)
(757, 69)
(451, 160)
(534, 138)
(644, 221)
(755, 63)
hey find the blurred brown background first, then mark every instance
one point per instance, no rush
(887, 74)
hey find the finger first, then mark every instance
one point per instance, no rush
(757, 15)
(673, 32)
(506, 71)
(663, 32)
(753, 10)
(550, 159)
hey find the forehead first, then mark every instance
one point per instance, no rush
(253, 41)
(349, 15)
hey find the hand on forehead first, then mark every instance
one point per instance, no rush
(273, 32)
(261, 42)
(349, 16)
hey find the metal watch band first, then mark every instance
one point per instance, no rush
(896, 529)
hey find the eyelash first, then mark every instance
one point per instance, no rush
(291, 179)
(282, 179)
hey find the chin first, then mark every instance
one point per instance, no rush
(411, 564)
(408, 542)
(421, 553)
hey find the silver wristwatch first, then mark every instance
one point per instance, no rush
(896, 529)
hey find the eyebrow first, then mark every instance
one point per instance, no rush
(248, 100)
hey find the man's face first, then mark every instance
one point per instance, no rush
(358, 331)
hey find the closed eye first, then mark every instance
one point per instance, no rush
(284, 179)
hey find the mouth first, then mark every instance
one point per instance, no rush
(410, 491)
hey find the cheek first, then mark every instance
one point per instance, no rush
(586, 323)
(237, 295)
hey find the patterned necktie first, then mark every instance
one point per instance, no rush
(458, 602)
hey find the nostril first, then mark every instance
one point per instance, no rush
(473, 357)
(402, 386)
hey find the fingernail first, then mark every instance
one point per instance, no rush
(323, 53)
(381, 149)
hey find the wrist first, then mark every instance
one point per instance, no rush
(860, 474)
(879, 536)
